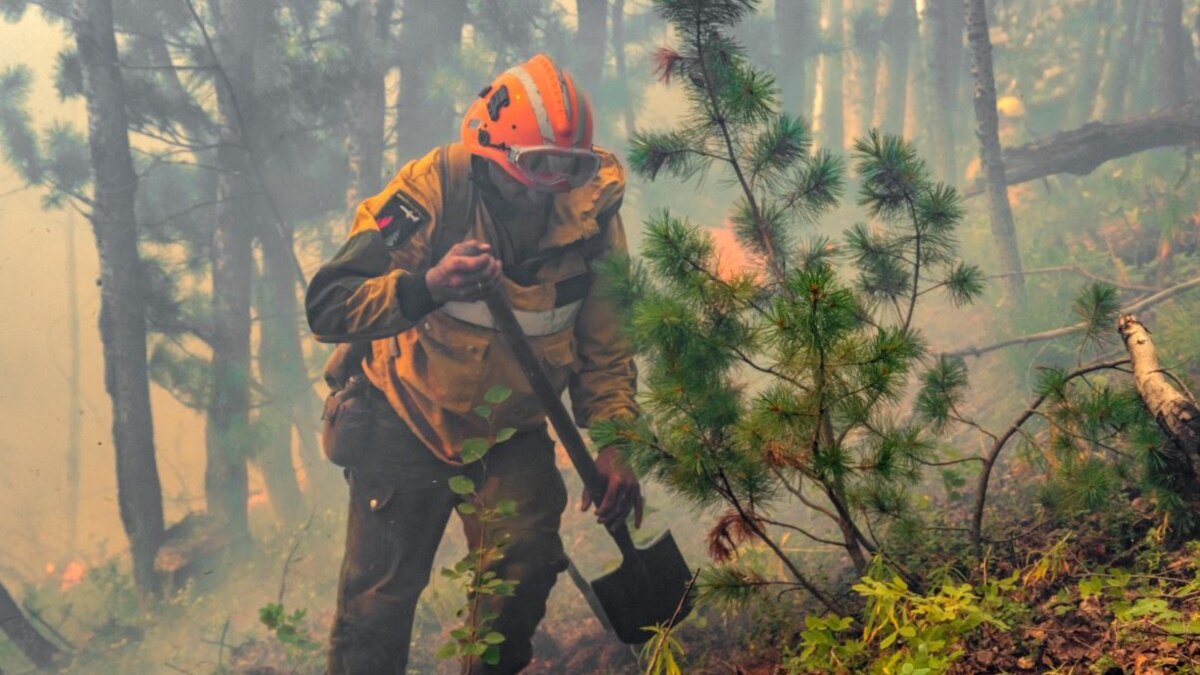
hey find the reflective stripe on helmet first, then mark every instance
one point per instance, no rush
(535, 100)
(535, 324)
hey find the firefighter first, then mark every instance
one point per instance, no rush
(525, 205)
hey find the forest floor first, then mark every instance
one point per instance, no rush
(1096, 595)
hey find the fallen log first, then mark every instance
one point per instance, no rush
(1080, 151)
(1175, 412)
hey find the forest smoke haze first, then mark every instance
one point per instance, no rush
(912, 288)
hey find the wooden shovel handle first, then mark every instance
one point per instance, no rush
(564, 425)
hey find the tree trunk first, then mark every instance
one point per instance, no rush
(1003, 230)
(618, 40)
(1080, 151)
(36, 648)
(896, 38)
(432, 30)
(862, 67)
(278, 342)
(369, 38)
(1110, 104)
(918, 99)
(1177, 415)
(229, 442)
(74, 407)
(1144, 62)
(944, 18)
(1095, 47)
(1174, 52)
(795, 21)
(592, 30)
(122, 317)
(827, 113)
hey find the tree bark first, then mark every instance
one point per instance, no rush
(945, 33)
(1174, 52)
(592, 29)
(795, 21)
(36, 648)
(370, 34)
(896, 38)
(1081, 150)
(1177, 415)
(122, 317)
(1003, 230)
(827, 112)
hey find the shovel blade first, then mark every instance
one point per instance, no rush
(647, 591)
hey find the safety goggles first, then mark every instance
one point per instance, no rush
(548, 166)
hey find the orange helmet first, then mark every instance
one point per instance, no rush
(535, 124)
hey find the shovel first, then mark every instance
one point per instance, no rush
(651, 585)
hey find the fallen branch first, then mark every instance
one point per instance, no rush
(1177, 414)
(1080, 151)
(1051, 334)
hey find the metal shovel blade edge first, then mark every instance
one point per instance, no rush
(647, 591)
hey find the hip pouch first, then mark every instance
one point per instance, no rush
(348, 421)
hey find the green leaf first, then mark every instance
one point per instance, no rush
(491, 655)
(506, 508)
(473, 449)
(483, 411)
(505, 434)
(497, 394)
(466, 508)
(461, 485)
(494, 638)
(448, 650)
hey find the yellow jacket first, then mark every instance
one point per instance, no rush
(436, 363)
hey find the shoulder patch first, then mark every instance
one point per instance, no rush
(400, 218)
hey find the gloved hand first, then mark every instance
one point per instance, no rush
(466, 273)
(622, 491)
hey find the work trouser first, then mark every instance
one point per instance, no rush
(400, 503)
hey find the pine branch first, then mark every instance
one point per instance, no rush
(772, 257)
(990, 461)
(1165, 294)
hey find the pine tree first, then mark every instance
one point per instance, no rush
(772, 391)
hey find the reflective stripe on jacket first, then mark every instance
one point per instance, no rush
(435, 368)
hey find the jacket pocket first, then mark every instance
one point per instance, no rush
(558, 354)
(455, 355)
